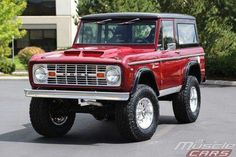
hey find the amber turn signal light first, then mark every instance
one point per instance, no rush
(100, 75)
(51, 74)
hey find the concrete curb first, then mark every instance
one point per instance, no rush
(220, 83)
(14, 77)
(20, 73)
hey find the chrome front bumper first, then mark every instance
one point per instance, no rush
(94, 95)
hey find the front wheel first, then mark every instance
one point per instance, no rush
(51, 117)
(186, 104)
(137, 119)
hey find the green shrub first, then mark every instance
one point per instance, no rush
(25, 54)
(223, 67)
(7, 66)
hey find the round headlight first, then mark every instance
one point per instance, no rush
(113, 75)
(40, 74)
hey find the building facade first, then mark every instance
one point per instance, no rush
(49, 24)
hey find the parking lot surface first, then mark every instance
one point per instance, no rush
(216, 125)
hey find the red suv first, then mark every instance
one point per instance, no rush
(119, 68)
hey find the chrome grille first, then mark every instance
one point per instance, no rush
(76, 74)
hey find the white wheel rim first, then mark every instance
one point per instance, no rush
(144, 113)
(193, 99)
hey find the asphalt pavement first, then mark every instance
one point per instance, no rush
(216, 125)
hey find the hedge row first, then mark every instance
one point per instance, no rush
(221, 67)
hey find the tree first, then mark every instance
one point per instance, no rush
(136, 6)
(85, 7)
(10, 24)
(227, 8)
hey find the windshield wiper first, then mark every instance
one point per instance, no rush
(103, 21)
(129, 22)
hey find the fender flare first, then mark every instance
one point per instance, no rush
(188, 67)
(138, 75)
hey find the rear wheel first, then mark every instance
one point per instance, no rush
(51, 117)
(186, 104)
(137, 119)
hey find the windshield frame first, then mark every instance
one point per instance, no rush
(156, 21)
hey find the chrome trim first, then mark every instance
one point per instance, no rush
(95, 95)
(165, 59)
(144, 113)
(169, 91)
(144, 62)
(193, 99)
(78, 74)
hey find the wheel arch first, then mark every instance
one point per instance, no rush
(193, 69)
(145, 76)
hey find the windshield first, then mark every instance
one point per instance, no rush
(117, 32)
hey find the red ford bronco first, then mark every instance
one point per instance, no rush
(119, 67)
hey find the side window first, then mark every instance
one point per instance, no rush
(187, 34)
(166, 37)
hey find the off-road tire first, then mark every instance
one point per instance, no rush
(181, 102)
(126, 115)
(41, 120)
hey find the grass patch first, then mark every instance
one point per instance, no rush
(19, 65)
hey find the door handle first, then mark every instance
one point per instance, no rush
(178, 52)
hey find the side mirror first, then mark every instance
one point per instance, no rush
(160, 47)
(171, 46)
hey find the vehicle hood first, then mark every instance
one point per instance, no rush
(89, 54)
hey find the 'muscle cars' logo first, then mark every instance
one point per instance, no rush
(202, 149)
